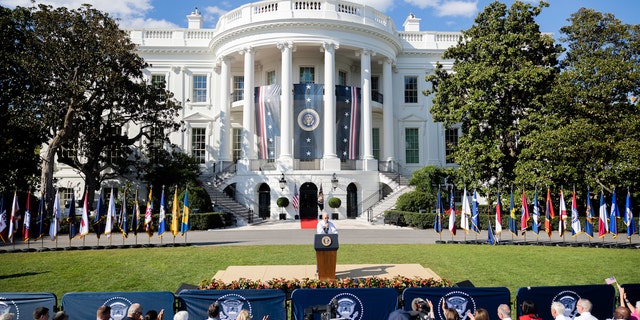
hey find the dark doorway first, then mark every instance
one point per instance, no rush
(308, 201)
(264, 201)
(352, 201)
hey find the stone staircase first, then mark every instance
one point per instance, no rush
(222, 202)
(399, 185)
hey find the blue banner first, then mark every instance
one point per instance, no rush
(83, 305)
(633, 292)
(464, 300)
(259, 303)
(349, 303)
(307, 101)
(601, 296)
(22, 304)
(347, 122)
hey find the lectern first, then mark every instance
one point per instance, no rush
(326, 246)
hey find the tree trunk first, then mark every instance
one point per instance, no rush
(46, 173)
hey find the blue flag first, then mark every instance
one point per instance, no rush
(513, 223)
(491, 237)
(615, 214)
(162, 219)
(184, 225)
(41, 214)
(628, 217)
(98, 224)
(437, 224)
(72, 216)
(535, 225)
(475, 213)
(588, 225)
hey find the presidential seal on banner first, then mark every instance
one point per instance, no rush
(308, 119)
(231, 305)
(347, 306)
(6, 306)
(569, 299)
(462, 302)
(119, 307)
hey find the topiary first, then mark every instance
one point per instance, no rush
(335, 202)
(282, 202)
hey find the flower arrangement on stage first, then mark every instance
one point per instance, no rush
(397, 282)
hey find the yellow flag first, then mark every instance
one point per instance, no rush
(175, 214)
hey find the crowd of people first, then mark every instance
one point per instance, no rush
(421, 309)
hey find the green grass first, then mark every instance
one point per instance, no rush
(164, 269)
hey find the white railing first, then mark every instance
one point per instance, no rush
(304, 9)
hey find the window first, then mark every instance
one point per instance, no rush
(271, 78)
(65, 196)
(411, 89)
(68, 152)
(412, 149)
(156, 141)
(307, 75)
(450, 143)
(158, 81)
(375, 140)
(199, 88)
(238, 88)
(198, 139)
(113, 151)
(375, 89)
(237, 144)
(342, 78)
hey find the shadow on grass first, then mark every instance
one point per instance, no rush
(24, 274)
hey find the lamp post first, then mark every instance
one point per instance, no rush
(283, 182)
(334, 181)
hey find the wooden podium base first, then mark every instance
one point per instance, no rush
(326, 261)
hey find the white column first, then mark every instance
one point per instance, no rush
(365, 72)
(286, 105)
(225, 124)
(388, 129)
(329, 134)
(248, 147)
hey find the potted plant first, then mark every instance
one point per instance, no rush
(335, 204)
(282, 202)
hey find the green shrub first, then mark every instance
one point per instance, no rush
(335, 202)
(415, 200)
(282, 202)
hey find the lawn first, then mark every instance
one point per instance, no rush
(165, 269)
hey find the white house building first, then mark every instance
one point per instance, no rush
(292, 97)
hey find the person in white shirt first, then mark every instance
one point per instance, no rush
(584, 309)
(325, 226)
(504, 312)
(557, 311)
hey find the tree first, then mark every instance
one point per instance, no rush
(588, 134)
(502, 68)
(89, 85)
(20, 128)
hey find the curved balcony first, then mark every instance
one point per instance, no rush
(305, 9)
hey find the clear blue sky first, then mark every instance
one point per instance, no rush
(436, 15)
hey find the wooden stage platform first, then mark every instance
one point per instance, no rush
(291, 272)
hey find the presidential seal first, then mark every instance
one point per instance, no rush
(308, 119)
(461, 302)
(569, 299)
(326, 241)
(348, 306)
(7, 305)
(119, 307)
(231, 304)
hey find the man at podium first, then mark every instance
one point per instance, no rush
(325, 226)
